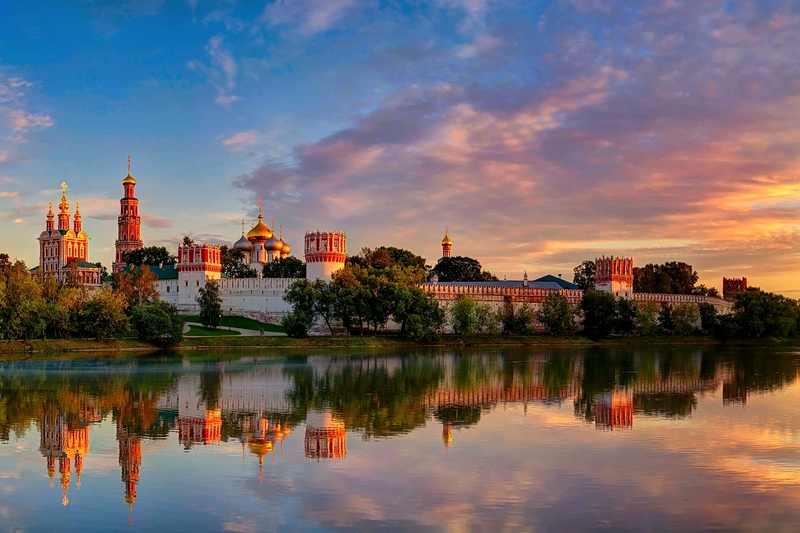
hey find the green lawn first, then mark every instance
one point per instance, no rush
(239, 322)
(200, 331)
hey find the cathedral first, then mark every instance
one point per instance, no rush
(261, 245)
(64, 251)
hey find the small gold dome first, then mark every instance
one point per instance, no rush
(446, 239)
(273, 244)
(260, 232)
(129, 179)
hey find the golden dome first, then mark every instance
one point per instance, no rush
(260, 231)
(129, 179)
(446, 240)
(273, 244)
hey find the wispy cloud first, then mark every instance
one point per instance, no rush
(16, 119)
(307, 17)
(241, 140)
(221, 72)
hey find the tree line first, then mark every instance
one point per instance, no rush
(32, 307)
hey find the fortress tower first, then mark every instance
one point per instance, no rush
(325, 253)
(196, 264)
(129, 236)
(731, 286)
(614, 275)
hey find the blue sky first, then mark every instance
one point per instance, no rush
(541, 133)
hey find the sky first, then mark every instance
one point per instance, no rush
(539, 133)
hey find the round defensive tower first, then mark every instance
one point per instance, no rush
(325, 253)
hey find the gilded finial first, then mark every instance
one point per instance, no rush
(260, 205)
(50, 205)
(77, 207)
(273, 222)
(63, 188)
(242, 227)
(129, 164)
(281, 230)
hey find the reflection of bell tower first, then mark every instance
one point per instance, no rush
(57, 441)
(326, 437)
(733, 392)
(447, 435)
(130, 459)
(613, 410)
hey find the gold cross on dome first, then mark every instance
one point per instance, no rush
(63, 187)
(129, 163)
(260, 204)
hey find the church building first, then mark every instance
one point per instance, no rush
(64, 251)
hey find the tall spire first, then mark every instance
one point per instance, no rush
(50, 225)
(63, 215)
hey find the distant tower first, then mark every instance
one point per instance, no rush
(325, 253)
(447, 244)
(614, 275)
(129, 236)
(731, 286)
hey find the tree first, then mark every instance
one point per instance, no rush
(764, 314)
(708, 318)
(158, 323)
(419, 315)
(297, 323)
(486, 320)
(22, 313)
(626, 316)
(188, 241)
(210, 303)
(315, 299)
(556, 315)
(150, 255)
(665, 320)
(702, 290)
(136, 284)
(647, 319)
(462, 315)
(685, 317)
(288, 267)
(458, 268)
(386, 257)
(516, 320)
(584, 276)
(233, 263)
(599, 313)
(103, 316)
(668, 278)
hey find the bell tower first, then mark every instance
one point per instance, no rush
(129, 235)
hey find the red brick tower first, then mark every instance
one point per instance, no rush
(614, 275)
(129, 236)
(730, 286)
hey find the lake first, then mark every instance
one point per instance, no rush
(642, 438)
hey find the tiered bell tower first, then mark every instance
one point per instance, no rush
(614, 275)
(129, 235)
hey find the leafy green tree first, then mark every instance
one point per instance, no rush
(486, 320)
(708, 317)
(386, 257)
(599, 310)
(210, 303)
(158, 323)
(136, 284)
(22, 315)
(665, 320)
(626, 316)
(668, 278)
(685, 317)
(297, 323)
(188, 241)
(462, 315)
(419, 315)
(764, 314)
(288, 267)
(702, 290)
(234, 264)
(458, 268)
(517, 320)
(315, 299)
(584, 276)
(149, 255)
(103, 316)
(556, 314)
(647, 319)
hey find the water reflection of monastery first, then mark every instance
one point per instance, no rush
(261, 406)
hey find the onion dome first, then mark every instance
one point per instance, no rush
(243, 244)
(260, 232)
(446, 240)
(129, 179)
(285, 248)
(273, 244)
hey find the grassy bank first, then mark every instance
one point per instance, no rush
(75, 349)
(239, 322)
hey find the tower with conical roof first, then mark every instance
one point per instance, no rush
(129, 236)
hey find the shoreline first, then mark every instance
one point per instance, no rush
(76, 349)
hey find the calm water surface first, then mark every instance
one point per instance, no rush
(616, 439)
